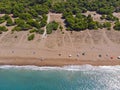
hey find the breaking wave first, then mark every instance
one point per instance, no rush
(68, 68)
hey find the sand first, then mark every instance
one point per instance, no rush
(54, 62)
(58, 49)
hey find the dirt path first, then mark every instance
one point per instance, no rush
(45, 30)
(43, 40)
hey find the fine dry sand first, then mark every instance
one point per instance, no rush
(95, 47)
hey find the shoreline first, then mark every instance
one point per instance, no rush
(22, 61)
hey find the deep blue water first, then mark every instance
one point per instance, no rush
(66, 78)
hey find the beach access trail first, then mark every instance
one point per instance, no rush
(45, 29)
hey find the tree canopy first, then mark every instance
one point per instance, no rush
(32, 13)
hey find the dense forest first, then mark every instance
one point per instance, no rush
(32, 14)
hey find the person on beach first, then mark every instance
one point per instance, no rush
(78, 55)
(100, 55)
(70, 55)
(83, 53)
(59, 54)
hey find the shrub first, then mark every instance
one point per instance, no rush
(9, 22)
(108, 28)
(32, 31)
(61, 28)
(19, 22)
(2, 20)
(117, 26)
(15, 13)
(103, 17)
(105, 10)
(52, 26)
(93, 25)
(0, 32)
(110, 17)
(33, 23)
(3, 28)
(25, 16)
(6, 16)
(17, 28)
(43, 23)
(49, 31)
(107, 25)
(31, 37)
(22, 27)
(55, 25)
(26, 27)
(40, 31)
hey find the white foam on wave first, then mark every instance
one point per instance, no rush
(68, 68)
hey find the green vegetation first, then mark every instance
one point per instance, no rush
(2, 20)
(81, 22)
(75, 20)
(43, 21)
(107, 25)
(61, 28)
(25, 16)
(33, 30)
(52, 26)
(32, 14)
(40, 31)
(9, 22)
(29, 13)
(3, 29)
(117, 26)
(21, 25)
(16, 28)
(19, 22)
(111, 18)
(31, 37)
(33, 23)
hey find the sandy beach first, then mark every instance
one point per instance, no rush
(60, 50)
(95, 47)
(54, 62)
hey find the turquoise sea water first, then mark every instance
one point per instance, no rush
(55, 78)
